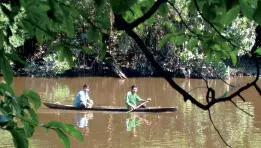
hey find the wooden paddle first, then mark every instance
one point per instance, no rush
(148, 100)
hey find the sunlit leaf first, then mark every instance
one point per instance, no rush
(34, 98)
(258, 51)
(63, 137)
(233, 58)
(73, 131)
(6, 68)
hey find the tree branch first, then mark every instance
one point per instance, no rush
(147, 15)
(168, 76)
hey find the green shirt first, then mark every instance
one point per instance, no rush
(132, 98)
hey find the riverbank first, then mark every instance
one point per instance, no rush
(141, 68)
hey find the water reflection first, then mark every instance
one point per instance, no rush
(135, 120)
(82, 121)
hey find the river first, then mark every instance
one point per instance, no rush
(189, 126)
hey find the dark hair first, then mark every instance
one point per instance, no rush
(85, 86)
(133, 86)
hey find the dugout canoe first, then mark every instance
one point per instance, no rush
(110, 108)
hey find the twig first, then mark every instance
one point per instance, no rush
(212, 25)
(182, 20)
(210, 118)
(241, 97)
(241, 108)
(193, 89)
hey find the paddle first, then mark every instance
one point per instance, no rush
(148, 100)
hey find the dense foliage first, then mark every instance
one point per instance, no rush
(196, 29)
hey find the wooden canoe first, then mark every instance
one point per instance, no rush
(110, 108)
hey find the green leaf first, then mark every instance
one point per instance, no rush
(66, 128)
(102, 52)
(39, 35)
(73, 131)
(19, 137)
(99, 2)
(69, 27)
(179, 40)
(6, 69)
(233, 58)
(7, 88)
(121, 6)
(53, 124)
(163, 9)
(34, 98)
(258, 51)
(65, 140)
(257, 14)
(28, 26)
(15, 57)
(192, 43)
(28, 128)
(33, 116)
(89, 51)
(93, 35)
(44, 7)
(163, 41)
(248, 7)
(2, 36)
(230, 15)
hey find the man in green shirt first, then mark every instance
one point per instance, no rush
(132, 98)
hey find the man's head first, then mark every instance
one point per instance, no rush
(86, 87)
(134, 88)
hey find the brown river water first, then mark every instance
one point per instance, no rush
(189, 126)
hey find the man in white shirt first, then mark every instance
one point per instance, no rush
(82, 99)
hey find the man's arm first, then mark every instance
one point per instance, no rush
(89, 102)
(138, 98)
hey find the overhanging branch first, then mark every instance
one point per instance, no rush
(121, 24)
